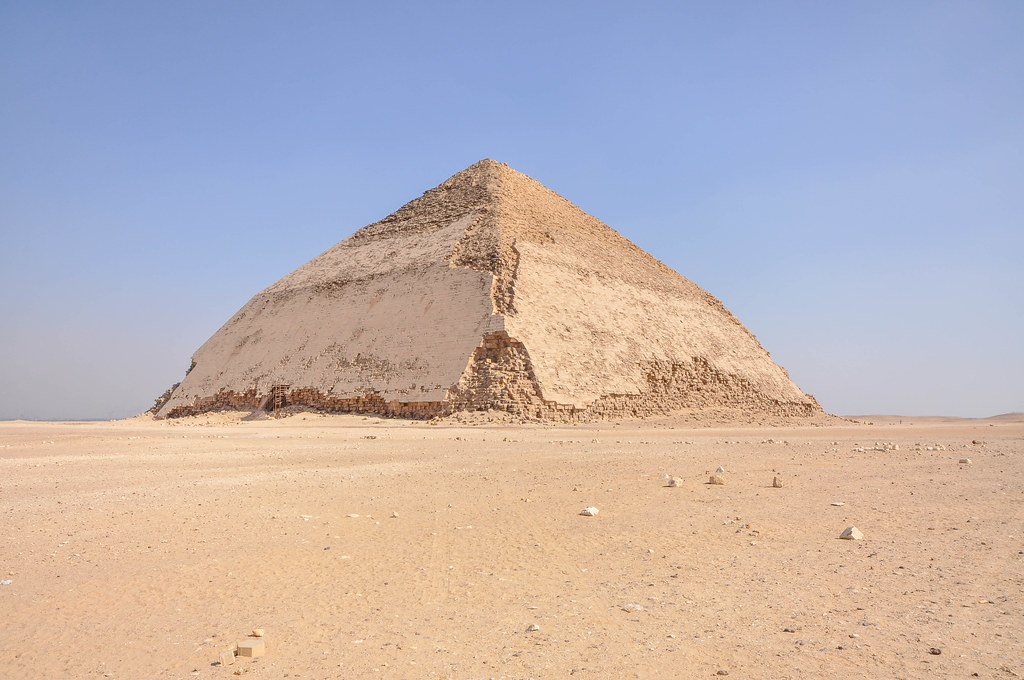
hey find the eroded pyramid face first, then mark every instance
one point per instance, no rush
(488, 292)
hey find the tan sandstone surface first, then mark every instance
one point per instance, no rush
(489, 291)
(399, 549)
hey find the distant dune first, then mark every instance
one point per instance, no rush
(887, 419)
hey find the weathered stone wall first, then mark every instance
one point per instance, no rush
(389, 317)
(224, 400)
(500, 377)
(694, 385)
(315, 401)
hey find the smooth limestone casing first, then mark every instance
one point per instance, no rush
(489, 291)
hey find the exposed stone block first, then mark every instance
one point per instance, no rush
(252, 647)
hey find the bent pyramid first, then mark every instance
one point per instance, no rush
(488, 292)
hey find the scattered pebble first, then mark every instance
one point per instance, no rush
(252, 648)
(589, 512)
(632, 608)
(6, 582)
(965, 461)
(675, 481)
(257, 632)
(715, 479)
(852, 534)
(722, 672)
(839, 504)
(776, 483)
(935, 650)
(533, 627)
(719, 469)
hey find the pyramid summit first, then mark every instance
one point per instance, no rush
(490, 291)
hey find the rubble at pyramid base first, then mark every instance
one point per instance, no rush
(500, 378)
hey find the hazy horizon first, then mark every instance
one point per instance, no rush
(845, 179)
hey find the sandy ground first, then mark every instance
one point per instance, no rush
(143, 549)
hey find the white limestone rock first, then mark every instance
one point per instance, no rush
(852, 534)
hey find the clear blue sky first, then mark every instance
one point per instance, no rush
(848, 178)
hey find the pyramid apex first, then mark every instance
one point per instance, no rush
(485, 172)
(486, 165)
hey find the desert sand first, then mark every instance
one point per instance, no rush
(369, 547)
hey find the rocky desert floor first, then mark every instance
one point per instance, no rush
(372, 548)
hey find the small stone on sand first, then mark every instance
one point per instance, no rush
(532, 628)
(965, 461)
(776, 483)
(675, 481)
(252, 648)
(719, 469)
(589, 512)
(257, 632)
(715, 479)
(852, 534)
(227, 658)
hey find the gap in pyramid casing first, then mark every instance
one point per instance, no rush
(488, 292)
